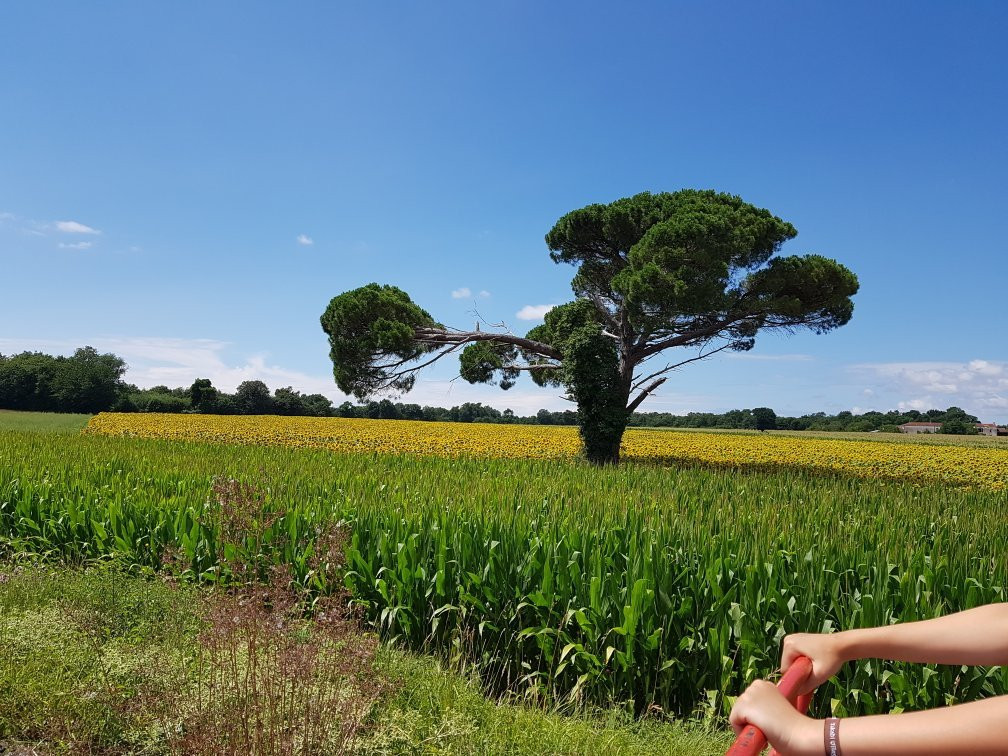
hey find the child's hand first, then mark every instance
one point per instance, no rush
(824, 650)
(788, 731)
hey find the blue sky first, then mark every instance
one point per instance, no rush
(189, 184)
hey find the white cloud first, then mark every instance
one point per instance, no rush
(73, 227)
(304, 240)
(463, 293)
(175, 362)
(983, 367)
(978, 386)
(178, 362)
(484, 293)
(76, 245)
(534, 312)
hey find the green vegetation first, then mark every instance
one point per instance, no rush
(690, 269)
(42, 422)
(96, 660)
(84, 382)
(91, 382)
(675, 596)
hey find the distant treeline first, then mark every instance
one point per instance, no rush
(954, 419)
(92, 382)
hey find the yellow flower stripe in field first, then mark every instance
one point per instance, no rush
(955, 465)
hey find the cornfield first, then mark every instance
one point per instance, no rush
(652, 586)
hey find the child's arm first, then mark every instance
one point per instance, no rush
(975, 636)
(977, 729)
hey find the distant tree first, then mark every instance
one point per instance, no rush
(959, 427)
(26, 380)
(158, 400)
(765, 418)
(226, 405)
(957, 413)
(87, 381)
(287, 401)
(253, 398)
(544, 417)
(317, 405)
(737, 419)
(410, 412)
(436, 414)
(387, 410)
(124, 403)
(691, 270)
(203, 395)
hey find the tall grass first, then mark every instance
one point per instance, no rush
(645, 586)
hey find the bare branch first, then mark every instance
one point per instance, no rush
(399, 363)
(445, 337)
(546, 366)
(702, 356)
(644, 394)
(604, 311)
(479, 317)
(399, 373)
(691, 337)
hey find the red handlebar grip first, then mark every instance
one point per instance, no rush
(751, 741)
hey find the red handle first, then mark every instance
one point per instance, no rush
(751, 741)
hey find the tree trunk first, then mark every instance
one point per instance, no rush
(596, 384)
(602, 446)
(601, 424)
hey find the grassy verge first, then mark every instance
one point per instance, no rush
(95, 660)
(42, 422)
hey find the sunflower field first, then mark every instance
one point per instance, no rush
(921, 463)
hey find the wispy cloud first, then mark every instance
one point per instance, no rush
(76, 245)
(174, 362)
(534, 312)
(73, 227)
(978, 386)
(465, 293)
(304, 240)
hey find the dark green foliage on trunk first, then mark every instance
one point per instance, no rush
(592, 371)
